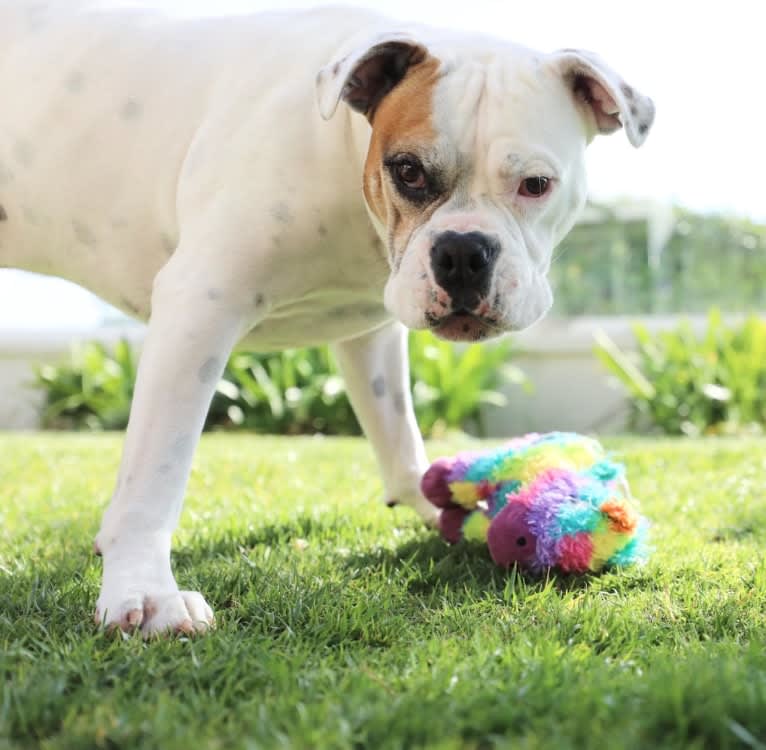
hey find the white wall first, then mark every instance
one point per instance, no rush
(21, 350)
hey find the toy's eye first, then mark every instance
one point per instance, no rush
(522, 541)
(534, 187)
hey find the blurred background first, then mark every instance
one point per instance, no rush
(658, 289)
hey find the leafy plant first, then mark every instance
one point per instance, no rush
(92, 391)
(290, 392)
(451, 384)
(297, 391)
(682, 383)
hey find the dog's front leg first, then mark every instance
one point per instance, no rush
(192, 330)
(375, 367)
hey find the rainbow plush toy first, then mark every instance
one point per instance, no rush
(542, 501)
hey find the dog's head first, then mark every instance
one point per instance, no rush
(475, 168)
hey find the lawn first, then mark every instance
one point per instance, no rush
(342, 623)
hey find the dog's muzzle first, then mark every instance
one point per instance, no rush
(462, 264)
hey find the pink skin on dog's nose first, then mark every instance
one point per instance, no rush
(509, 537)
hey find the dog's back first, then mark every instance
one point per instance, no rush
(102, 112)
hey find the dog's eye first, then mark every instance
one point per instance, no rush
(411, 174)
(534, 187)
(411, 179)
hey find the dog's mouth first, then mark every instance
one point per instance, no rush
(463, 325)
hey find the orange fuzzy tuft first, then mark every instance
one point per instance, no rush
(622, 518)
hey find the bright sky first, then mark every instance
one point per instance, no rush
(702, 63)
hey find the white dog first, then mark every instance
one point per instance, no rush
(218, 178)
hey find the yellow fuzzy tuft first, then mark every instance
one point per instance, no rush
(605, 543)
(465, 494)
(475, 527)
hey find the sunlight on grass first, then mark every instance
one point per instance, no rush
(344, 624)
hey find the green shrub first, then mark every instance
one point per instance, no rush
(91, 391)
(681, 383)
(450, 384)
(297, 391)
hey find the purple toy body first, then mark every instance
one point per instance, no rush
(542, 502)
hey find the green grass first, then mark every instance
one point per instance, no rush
(344, 624)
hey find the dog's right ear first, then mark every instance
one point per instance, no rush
(610, 102)
(364, 76)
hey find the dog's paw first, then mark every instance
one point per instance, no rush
(415, 500)
(155, 614)
(139, 592)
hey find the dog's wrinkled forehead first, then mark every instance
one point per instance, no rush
(468, 73)
(495, 117)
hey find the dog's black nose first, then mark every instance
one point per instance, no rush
(462, 265)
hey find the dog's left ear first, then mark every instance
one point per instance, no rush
(365, 75)
(607, 100)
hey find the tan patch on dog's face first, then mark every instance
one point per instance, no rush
(402, 124)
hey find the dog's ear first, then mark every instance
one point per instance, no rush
(362, 77)
(606, 99)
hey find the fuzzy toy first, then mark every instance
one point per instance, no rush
(542, 501)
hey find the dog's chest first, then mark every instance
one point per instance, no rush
(324, 316)
(326, 292)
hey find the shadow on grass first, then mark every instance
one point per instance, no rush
(463, 567)
(425, 564)
(232, 567)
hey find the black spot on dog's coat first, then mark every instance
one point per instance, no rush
(3, 214)
(399, 405)
(281, 212)
(169, 243)
(209, 370)
(379, 386)
(131, 110)
(83, 233)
